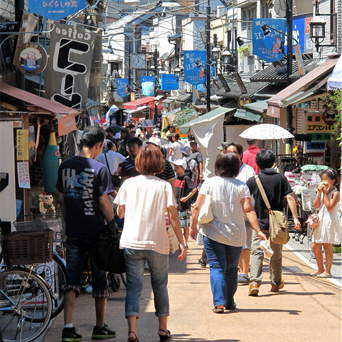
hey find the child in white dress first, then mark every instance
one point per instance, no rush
(328, 231)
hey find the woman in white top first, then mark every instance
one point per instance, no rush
(143, 201)
(225, 235)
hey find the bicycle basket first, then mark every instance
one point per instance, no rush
(41, 222)
(25, 248)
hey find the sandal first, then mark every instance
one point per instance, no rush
(165, 337)
(218, 310)
(314, 274)
(136, 337)
(324, 275)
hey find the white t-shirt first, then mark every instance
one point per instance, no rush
(177, 153)
(246, 172)
(114, 159)
(228, 226)
(146, 199)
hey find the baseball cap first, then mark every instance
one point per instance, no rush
(193, 142)
(223, 146)
(180, 162)
(186, 150)
(155, 141)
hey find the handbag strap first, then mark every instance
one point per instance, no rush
(263, 193)
(107, 163)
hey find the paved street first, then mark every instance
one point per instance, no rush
(306, 310)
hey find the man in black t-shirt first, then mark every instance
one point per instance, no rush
(168, 174)
(128, 169)
(277, 188)
(197, 156)
(84, 185)
(124, 141)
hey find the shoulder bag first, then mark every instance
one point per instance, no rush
(115, 179)
(107, 255)
(278, 230)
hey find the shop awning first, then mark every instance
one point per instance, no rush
(259, 106)
(137, 113)
(335, 80)
(36, 101)
(159, 97)
(247, 115)
(289, 93)
(208, 116)
(138, 103)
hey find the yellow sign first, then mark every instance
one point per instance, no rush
(322, 128)
(22, 144)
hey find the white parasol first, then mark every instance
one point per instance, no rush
(335, 80)
(266, 132)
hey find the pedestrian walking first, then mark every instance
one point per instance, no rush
(84, 185)
(197, 156)
(123, 143)
(145, 238)
(114, 159)
(250, 154)
(246, 172)
(191, 165)
(175, 148)
(225, 235)
(328, 231)
(185, 189)
(127, 167)
(277, 189)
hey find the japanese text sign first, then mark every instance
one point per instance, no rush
(23, 175)
(195, 66)
(55, 9)
(168, 82)
(122, 87)
(22, 144)
(270, 47)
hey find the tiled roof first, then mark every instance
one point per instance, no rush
(269, 74)
(235, 91)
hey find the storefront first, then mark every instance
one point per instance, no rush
(34, 137)
(142, 108)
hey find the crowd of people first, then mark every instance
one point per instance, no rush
(159, 179)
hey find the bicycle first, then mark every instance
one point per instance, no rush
(25, 297)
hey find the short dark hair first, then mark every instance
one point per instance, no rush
(251, 141)
(169, 137)
(191, 137)
(91, 136)
(110, 144)
(150, 160)
(265, 159)
(227, 164)
(176, 136)
(237, 145)
(110, 130)
(131, 125)
(124, 130)
(134, 140)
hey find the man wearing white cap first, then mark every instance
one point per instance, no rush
(185, 189)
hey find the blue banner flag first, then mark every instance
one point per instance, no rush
(201, 88)
(57, 9)
(270, 47)
(122, 87)
(195, 66)
(147, 85)
(169, 82)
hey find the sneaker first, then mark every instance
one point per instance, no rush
(202, 263)
(70, 335)
(100, 333)
(243, 280)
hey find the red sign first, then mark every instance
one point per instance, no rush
(307, 24)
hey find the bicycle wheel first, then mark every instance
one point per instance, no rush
(54, 273)
(25, 305)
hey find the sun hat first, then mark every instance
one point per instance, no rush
(180, 162)
(155, 141)
(186, 150)
(223, 146)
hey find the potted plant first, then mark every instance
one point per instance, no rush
(244, 51)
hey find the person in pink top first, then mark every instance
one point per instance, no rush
(250, 154)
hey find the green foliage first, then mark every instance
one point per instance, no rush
(185, 116)
(334, 100)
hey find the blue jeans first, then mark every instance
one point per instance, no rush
(223, 264)
(135, 265)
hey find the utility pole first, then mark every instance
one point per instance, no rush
(19, 8)
(289, 71)
(207, 28)
(134, 51)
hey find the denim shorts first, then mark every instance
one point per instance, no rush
(76, 251)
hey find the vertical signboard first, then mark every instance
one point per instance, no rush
(68, 69)
(319, 130)
(195, 67)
